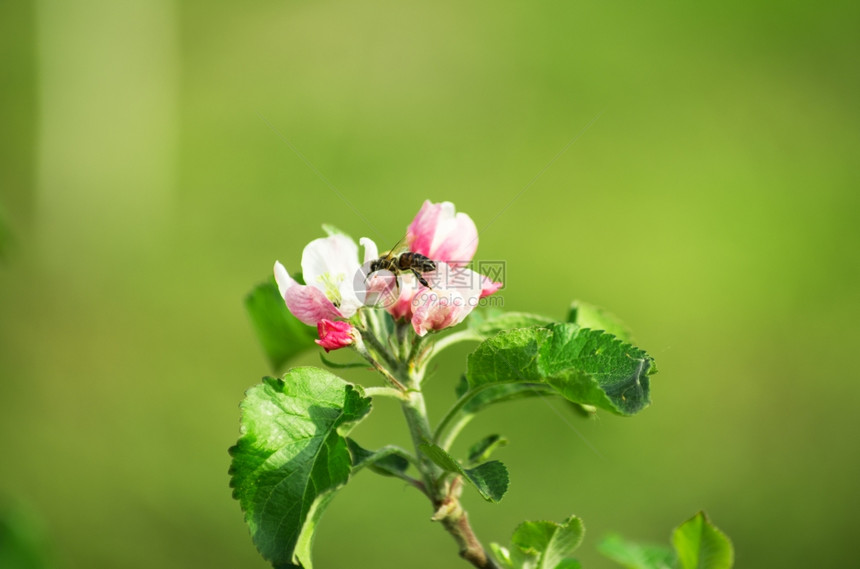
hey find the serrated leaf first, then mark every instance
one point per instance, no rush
(701, 545)
(490, 479)
(545, 545)
(585, 366)
(590, 316)
(282, 335)
(636, 555)
(481, 451)
(291, 457)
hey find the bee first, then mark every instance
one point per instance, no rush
(404, 262)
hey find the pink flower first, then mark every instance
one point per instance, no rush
(335, 335)
(443, 235)
(329, 267)
(454, 292)
(450, 239)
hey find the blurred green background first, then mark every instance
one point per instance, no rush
(147, 184)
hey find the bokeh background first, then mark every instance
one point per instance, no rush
(150, 175)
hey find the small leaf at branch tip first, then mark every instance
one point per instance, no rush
(490, 479)
(546, 544)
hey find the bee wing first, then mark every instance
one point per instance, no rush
(398, 248)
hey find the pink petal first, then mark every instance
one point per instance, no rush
(434, 310)
(488, 287)
(419, 236)
(310, 305)
(402, 306)
(442, 234)
(454, 294)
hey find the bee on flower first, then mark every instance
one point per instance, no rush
(428, 285)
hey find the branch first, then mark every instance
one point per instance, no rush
(455, 519)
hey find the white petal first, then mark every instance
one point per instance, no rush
(283, 278)
(371, 251)
(335, 257)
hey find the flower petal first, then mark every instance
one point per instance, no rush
(329, 258)
(442, 234)
(435, 310)
(402, 306)
(454, 293)
(283, 278)
(489, 287)
(310, 305)
(330, 264)
(371, 251)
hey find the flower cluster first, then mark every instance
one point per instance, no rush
(336, 286)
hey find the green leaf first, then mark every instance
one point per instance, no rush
(635, 555)
(502, 555)
(701, 545)
(484, 325)
(542, 545)
(462, 386)
(590, 316)
(291, 457)
(490, 479)
(388, 461)
(282, 335)
(481, 451)
(23, 542)
(585, 366)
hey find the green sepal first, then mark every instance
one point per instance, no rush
(291, 457)
(282, 335)
(331, 230)
(490, 479)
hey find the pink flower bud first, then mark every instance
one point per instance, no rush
(335, 334)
